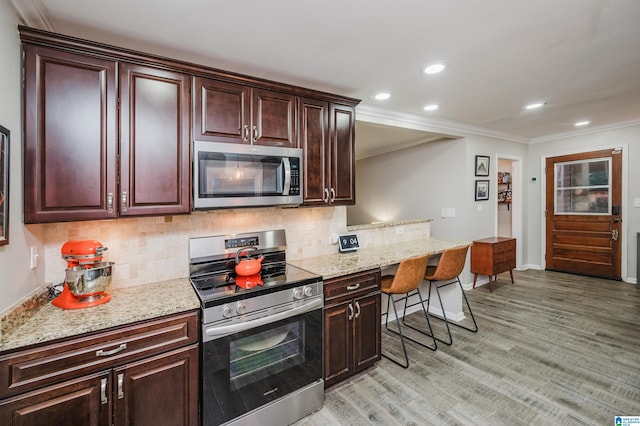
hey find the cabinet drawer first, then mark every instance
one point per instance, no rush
(351, 285)
(504, 256)
(504, 266)
(51, 363)
(504, 246)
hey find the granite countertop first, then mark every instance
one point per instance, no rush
(339, 264)
(127, 305)
(378, 225)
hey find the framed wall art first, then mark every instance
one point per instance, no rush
(4, 186)
(482, 190)
(482, 165)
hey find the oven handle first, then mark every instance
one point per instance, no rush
(221, 331)
(287, 175)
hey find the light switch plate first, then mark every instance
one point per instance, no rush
(636, 202)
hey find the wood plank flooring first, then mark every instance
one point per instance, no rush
(553, 349)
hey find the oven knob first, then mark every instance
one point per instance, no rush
(226, 311)
(297, 293)
(241, 308)
(308, 291)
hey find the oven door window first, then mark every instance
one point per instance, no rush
(239, 175)
(246, 370)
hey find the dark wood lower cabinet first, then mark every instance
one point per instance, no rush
(76, 402)
(148, 381)
(351, 325)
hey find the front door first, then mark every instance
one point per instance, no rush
(583, 213)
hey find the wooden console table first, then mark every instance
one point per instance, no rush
(492, 256)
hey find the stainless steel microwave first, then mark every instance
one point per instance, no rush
(236, 175)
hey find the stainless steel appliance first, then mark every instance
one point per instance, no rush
(236, 175)
(261, 335)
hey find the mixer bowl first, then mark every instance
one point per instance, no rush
(87, 281)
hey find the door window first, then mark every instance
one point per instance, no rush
(583, 187)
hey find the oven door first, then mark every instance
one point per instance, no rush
(245, 370)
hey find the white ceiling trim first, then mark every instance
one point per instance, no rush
(588, 131)
(34, 14)
(446, 127)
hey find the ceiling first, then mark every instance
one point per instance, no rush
(579, 57)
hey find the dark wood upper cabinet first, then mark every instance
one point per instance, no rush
(70, 136)
(237, 113)
(327, 135)
(107, 130)
(154, 141)
(342, 122)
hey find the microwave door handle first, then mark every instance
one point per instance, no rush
(287, 175)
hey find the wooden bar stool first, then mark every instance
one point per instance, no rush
(400, 287)
(445, 273)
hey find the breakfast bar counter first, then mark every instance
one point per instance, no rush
(341, 264)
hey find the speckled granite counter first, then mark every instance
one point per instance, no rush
(339, 264)
(127, 305)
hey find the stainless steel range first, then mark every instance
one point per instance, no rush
(261, 352)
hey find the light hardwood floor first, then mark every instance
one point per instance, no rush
(553, 349)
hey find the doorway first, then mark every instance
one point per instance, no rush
(509, 211)
(583, 216)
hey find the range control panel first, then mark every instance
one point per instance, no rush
(241, 242)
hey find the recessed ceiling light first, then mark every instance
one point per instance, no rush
(382, 96)
(582, 123)
(434, 68)
(431, 107)
(535, 105)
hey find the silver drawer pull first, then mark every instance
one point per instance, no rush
(120, 348)
(353, 287)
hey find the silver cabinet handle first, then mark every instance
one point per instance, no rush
(614, 235)
(325, 195)
(110, 202)
(357, 309)
(103, 391)
(124, 201)
(333, 195)
(245, 133)
(120, 348)
(353, 287)
(255, 133)
(120, 381)
(350, 311)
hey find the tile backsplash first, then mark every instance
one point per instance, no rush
(152, 249)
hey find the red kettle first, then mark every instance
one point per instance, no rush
(248, 266)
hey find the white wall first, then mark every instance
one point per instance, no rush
(417, 182)
(628, 137)
(16, 279)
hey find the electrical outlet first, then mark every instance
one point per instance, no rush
(399, 230)
(33, 258)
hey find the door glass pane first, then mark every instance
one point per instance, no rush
(583, 187)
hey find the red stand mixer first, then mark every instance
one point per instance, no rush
(87, 276)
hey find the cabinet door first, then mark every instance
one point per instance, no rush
(69, 136)
(366, 338)
(342, 140)
(314, 137)
(84, 401)
(162, 390)
(154, 141)
(273, 118)
(338, 335)
(221, 111)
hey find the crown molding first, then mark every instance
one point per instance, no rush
(34, 14)
(447, 128)
(583, 132)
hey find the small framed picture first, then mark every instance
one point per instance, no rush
(482, 165)
(482, 190)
